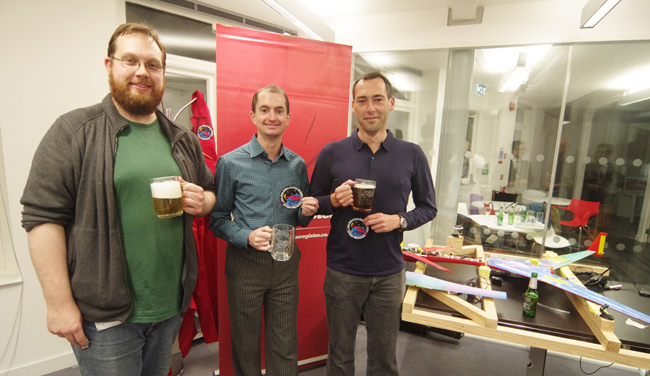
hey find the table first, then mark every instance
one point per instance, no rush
(490, 221)
(560, 325)
(550, 238)
(494, 205)
(531, 195)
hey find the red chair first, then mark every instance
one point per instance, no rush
(582, 211)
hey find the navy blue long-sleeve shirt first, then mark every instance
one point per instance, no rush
(398, 167)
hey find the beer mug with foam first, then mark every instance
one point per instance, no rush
(282, 242)
(363, 194)
(167, 196)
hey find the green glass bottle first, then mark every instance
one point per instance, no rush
(500, 217)
(530, 297)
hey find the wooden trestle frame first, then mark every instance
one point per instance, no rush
(484, 322)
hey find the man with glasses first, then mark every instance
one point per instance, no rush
(115, 277)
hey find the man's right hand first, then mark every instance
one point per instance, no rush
(260, 238)
(65, 321)
(47, 248)
(342, 195)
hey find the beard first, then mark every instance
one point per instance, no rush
(136, 104)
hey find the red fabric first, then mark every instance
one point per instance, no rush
(316, 77)
(200, 117)
(204, 298)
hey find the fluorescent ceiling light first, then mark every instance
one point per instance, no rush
(512, 81)
(293, 19)
(380, 59)
(594, 11)
(402, 81)
(635, 97)
(632, 80)
(504, 59)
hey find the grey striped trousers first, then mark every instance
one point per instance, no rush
(258, 285)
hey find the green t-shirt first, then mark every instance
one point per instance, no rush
(154, 247)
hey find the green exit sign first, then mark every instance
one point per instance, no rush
(480, 89)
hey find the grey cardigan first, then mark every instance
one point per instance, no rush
(71, 183)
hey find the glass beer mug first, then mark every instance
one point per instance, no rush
(167, 196)
(363, 194)
(282, 242)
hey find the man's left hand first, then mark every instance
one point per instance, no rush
(309, 206)
(380, 222)
(192, 198)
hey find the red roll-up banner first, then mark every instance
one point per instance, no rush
(316, 77)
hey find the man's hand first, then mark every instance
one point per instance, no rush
(64, 320)
(380, 222)
(47, 248)
(342, 195)
(196, 201)
(260, 238)
(309, 206)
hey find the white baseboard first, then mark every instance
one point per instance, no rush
(45, 366)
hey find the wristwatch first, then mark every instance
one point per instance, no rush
(403, 223)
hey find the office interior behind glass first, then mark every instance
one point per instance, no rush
(553, 138)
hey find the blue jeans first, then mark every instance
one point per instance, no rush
(128, 349)
(380, 300)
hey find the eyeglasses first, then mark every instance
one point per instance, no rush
(132, 64)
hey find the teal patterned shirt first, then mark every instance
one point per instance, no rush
(249, 186)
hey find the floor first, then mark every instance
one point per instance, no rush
(428, 353)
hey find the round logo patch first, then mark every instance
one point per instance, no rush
(357, 229)
(291, 197)
(205, 132)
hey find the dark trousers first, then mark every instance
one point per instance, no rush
(256, 283)
(380, 300)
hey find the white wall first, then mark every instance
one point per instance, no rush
(52, 62)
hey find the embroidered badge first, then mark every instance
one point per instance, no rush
(205, 132)
(291, 197)
(357, 229)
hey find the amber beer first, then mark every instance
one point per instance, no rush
(167, 196)
(363, 194)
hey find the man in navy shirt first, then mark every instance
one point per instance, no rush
(365, 268)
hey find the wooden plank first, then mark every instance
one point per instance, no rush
(412, 291)
(484, 282)
(529, 338)
(409, 299)
(602, 328)
(607, 338)
(464, 308)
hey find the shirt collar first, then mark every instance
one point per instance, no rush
(386, 144)
(255, 149)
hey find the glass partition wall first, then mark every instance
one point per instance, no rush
(555, 138)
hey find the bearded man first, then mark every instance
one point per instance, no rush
(116, 278)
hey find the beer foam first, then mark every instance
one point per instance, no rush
(166, 189)
(364, 186)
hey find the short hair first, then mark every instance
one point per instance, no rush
(135, 28)
(373, 75)
(271, 89)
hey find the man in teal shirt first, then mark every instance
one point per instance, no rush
(250, 182)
